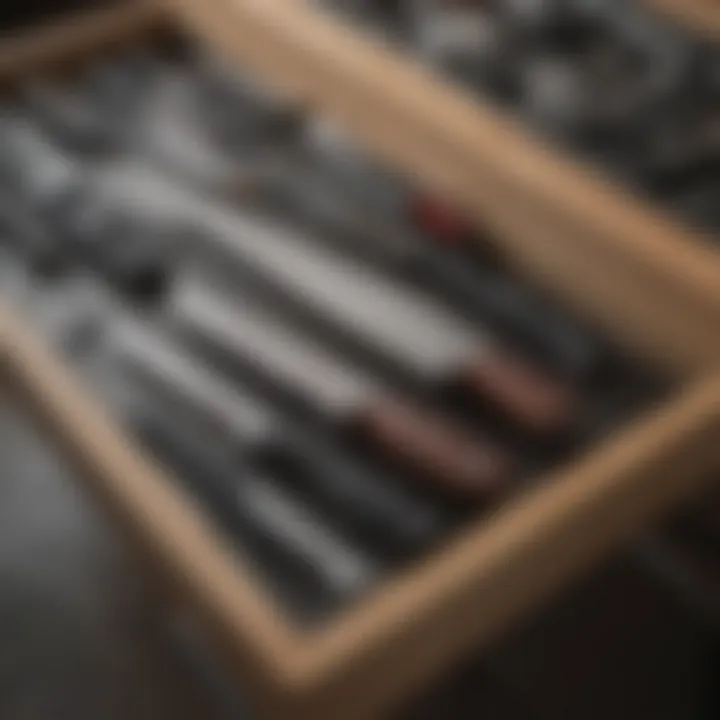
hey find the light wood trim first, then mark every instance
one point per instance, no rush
(463, 599)
(179, 541)
(488, 165)
(76, 36)
(701, 16)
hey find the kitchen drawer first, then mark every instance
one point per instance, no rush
(650, 286)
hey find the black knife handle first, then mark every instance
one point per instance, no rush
(504, 304)
(251, 510)
(377, 504)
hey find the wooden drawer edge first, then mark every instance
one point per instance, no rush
(81, 34)
(369, 658)
(697, 15)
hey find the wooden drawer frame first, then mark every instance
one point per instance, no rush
(369, 659)
(696, 15)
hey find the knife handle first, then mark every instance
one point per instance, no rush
(375, 503)
(447, 456)
(253, 509)
(487, 296)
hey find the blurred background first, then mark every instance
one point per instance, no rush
(112, 217)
